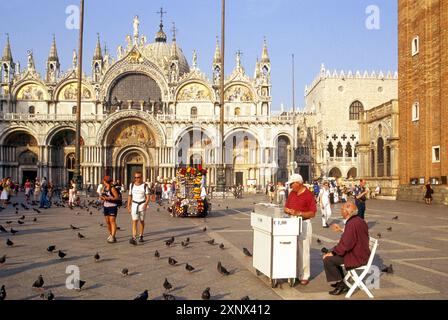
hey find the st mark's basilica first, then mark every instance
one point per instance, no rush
(150, 110)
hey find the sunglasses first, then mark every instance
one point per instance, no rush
(137, 177)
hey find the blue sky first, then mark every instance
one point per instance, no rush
(316, 31)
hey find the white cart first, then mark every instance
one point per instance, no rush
(275, 243)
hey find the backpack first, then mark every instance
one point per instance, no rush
(272, 189)
(119, 201)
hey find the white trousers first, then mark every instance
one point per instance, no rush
(326, 214)
(303, 251)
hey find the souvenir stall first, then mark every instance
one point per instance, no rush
(190, 199)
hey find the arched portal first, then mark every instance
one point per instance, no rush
(61, 155)
(130, 146)
(194, 147)
(335, 173)
(20, 156)
(242, 158)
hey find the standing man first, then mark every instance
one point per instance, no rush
(271, 191)
(138, 200)
(324, 203)
(361, 193)
(43, 194)
(301, 203)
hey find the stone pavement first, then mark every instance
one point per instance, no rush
(416, 247)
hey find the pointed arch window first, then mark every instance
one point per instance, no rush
(339, 152)
(330, 149)
(355, 109)
(348, 150)
(380, 153)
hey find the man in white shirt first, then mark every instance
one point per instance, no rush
(324, 203)
(138, 200)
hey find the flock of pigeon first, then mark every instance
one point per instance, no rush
(79, 284)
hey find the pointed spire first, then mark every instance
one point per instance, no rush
(7, 55)
(98, 55)
(53, 51)
(217, 57)
(174, 54)
(194, 61)
(264, 54)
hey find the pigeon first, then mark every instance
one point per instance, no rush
(168, 296)
(3, 259)
(39, 283)
(125, 272)
(51, 248)
(2, 293)
(61, 254)
(3, 229)
(378, 235)
(80, 236)
(184, 244)
(205, 229)
(97, 257)
(142, 296)
(189, 268)
(212, 241)
(388, 269)
(20, 222)
(157, 254)
(221, 246)
(206, 294)
(47, 295)
(187, 240)
(81, 284)
(73, 227)
(319, 241)
(8, 223)
(245, 298)
(395, 218)
(172, 261)
(167, 285)
(9, 243)
(222, 270)
(37, 210)
(389, 229)
(22, 218)
(35, 220)
(247, 252)
(13, 231)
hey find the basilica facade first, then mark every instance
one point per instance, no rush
(147, 109)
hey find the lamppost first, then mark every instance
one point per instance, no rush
(77, 173)
(221, 178)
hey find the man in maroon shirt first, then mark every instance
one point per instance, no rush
(301, 203)
(352, 250)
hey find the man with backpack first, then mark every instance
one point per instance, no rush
(138, 200)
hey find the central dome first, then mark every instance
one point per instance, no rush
(162, 52)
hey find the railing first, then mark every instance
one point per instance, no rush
(49, 117)
(160, 117)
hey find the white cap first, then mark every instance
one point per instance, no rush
(295, 178)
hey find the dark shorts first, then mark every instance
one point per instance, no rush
(110, 211)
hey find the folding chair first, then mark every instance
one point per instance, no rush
(358, 279)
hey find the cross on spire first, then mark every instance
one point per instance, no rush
(161, 12)
(174, 30)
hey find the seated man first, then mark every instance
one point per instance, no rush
(352, 250)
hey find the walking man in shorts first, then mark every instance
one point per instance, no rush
(138, 200)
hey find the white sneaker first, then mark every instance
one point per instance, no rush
(110, 238)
